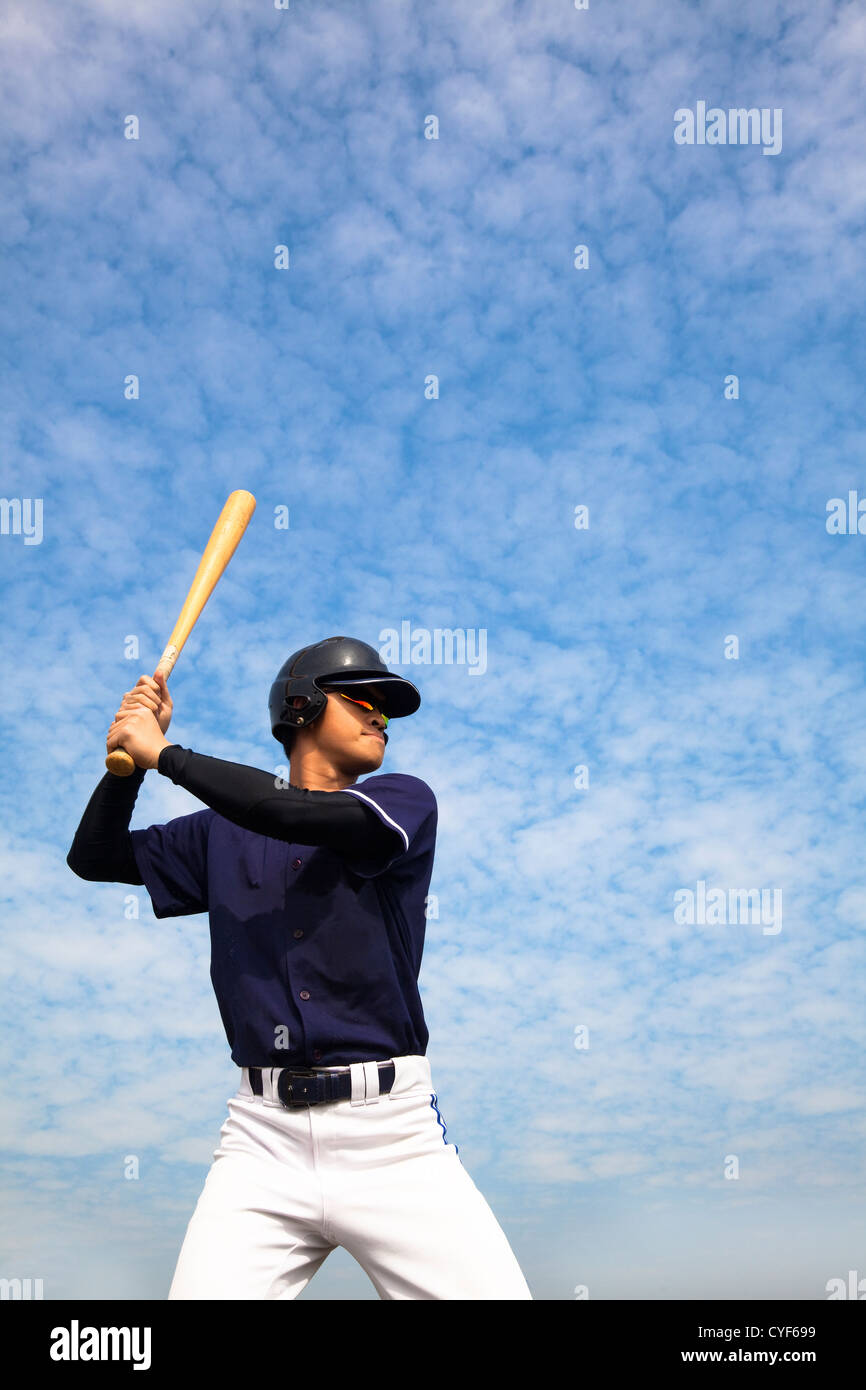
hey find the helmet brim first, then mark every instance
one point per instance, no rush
(398, 697)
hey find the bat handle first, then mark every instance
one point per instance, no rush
(118, 762)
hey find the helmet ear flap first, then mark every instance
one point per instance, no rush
(314, 702)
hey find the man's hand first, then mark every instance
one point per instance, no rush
(152, 692)
(142, 720)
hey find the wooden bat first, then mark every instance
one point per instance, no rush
(231, 524)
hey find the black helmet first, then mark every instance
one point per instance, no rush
(341, 661)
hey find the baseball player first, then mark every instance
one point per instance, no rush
(316, 892)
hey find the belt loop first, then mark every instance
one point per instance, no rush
(389, 1094)
(371, 1076)
(359, 1089)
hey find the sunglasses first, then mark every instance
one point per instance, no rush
(365, 704)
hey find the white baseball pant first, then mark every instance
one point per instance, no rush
(375, 1174)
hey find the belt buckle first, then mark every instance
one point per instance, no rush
(284, 1085)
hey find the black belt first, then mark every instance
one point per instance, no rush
(309, 1086)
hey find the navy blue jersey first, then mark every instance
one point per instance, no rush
(315, 956)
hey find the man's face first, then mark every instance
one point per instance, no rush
(346, 734)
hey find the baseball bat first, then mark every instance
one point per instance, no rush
(230, 526)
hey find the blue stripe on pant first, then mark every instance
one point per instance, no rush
(433, 1101)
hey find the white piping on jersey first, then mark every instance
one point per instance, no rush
(383, 814)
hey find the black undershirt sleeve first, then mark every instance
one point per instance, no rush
(101, 851)
(255, 800)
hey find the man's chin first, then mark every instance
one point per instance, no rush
(377, 752)
(366, 760)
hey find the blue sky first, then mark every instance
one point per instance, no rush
(558, 387)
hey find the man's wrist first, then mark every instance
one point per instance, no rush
(165, 747)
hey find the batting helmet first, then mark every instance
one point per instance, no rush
(339, 661)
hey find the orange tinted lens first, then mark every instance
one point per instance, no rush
(365, 704)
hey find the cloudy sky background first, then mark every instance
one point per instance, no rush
(605, 647)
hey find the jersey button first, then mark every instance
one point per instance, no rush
(296, 863)
(298, 934)
(305, 994)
